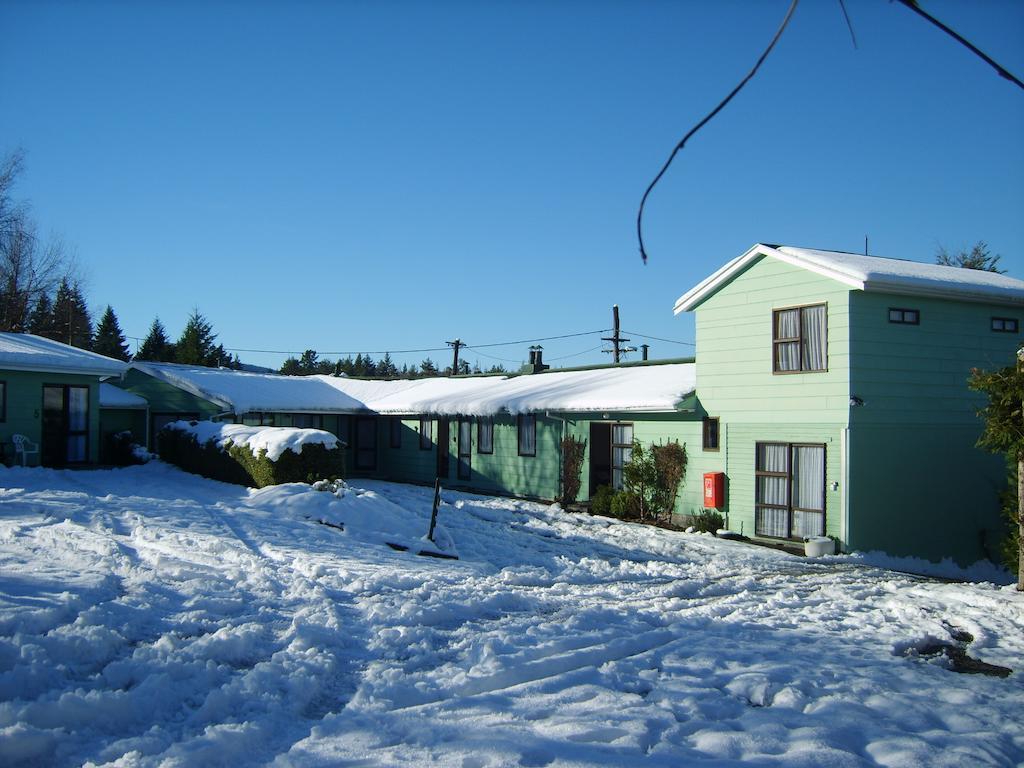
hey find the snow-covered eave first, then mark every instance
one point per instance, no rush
(101, 373)
(712, 284)
(981, 296)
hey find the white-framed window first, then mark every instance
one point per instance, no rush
(800, 339)
(789, 497)
(622, 451)
(426, 434)
(527, 423)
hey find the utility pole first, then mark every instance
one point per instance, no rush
(455, 345)
(616, 338)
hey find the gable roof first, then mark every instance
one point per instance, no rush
(870, 273)
(641, 388)
(26, 352)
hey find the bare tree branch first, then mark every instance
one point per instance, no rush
(702, 123)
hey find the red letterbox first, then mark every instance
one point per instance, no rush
(714, 490)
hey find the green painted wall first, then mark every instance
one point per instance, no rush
(919, 485)
(735, 382)
(503, 471)
(734, 349)
(25, 407)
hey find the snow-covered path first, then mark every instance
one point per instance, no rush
(150, 617)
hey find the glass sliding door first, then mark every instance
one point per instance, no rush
(65, 435)
(789, 499)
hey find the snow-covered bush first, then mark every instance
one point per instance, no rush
(252, 456)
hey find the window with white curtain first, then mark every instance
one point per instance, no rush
(799, 339)
(789, 499)
(527, 434)
(622, 451)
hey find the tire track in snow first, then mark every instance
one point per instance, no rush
(535, 670)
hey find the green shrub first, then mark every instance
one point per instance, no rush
(239, 465)
(601, 501)
(627, 505)
(572, 468)
(708, 521)
(640, 478)
(669, 471)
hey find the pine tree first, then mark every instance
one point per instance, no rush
(72, 324)
(41, 322)
(977, 258)
(195, 346)
(428, 368)
(386, 369)
(156, 347)
(110, 340)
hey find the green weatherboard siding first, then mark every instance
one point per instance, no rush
(922, 487)
(902, 471)
(24, 392)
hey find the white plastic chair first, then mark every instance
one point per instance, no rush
(24, 448)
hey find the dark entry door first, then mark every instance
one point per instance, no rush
(366, 444)
(600, 456)
(443, 449)
(465, 469)
(65, 436)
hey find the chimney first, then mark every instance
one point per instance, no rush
(536, 364)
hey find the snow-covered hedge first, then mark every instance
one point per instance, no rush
(252, 456)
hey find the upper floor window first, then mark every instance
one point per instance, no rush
(904, 316)
(527, 434)
(1005, 324)
(485, 435)
(799, 339)
(711, 427)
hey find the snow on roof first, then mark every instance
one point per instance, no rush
(114, 397)
(654, 388)
(26, 352)
(871, 273)
(639, 388)
(245, 392)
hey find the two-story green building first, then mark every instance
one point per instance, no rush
(835, 386)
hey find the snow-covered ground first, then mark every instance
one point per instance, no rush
(150, 617)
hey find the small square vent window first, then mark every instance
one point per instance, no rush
(1004, 324)
(904, 316)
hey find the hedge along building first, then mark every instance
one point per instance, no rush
(837, 385)
(50, 393)
(491, 433)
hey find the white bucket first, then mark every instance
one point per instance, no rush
(818, 546)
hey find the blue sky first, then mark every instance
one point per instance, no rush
(358, 176)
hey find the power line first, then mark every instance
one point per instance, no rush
(412, 351)
(658, 338)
